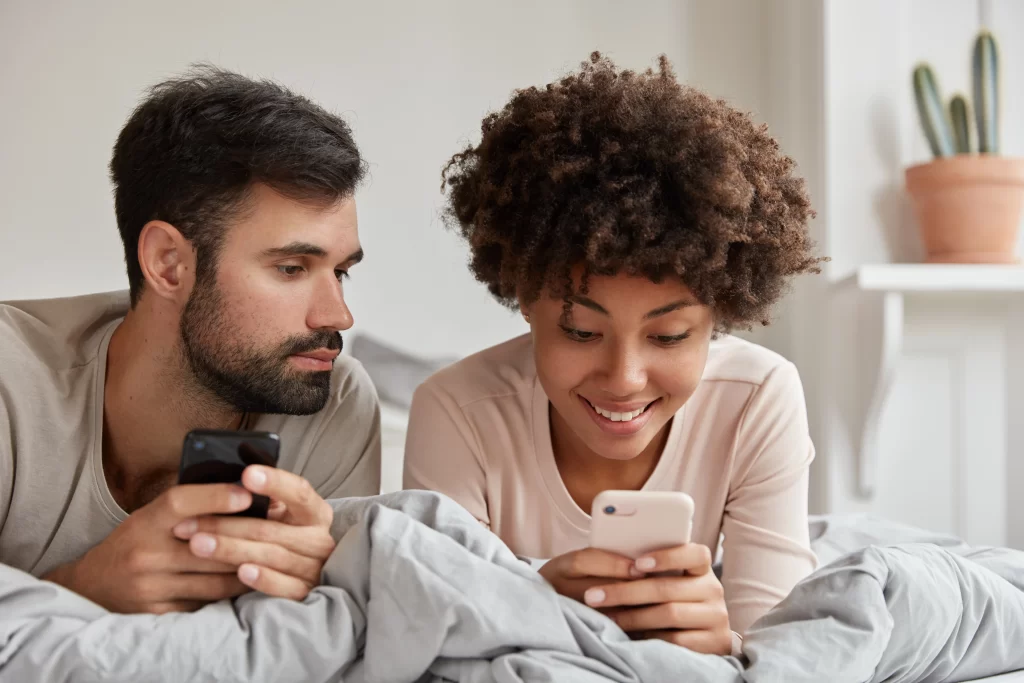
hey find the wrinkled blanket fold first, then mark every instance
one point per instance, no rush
(417, 590)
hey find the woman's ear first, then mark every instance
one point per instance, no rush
(524, 308)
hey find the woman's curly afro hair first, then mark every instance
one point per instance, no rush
(627, 172)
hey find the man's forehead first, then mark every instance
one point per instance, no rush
(274, 221)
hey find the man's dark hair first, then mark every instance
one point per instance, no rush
(192, 150)
(630, 172)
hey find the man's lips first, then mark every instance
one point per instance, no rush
(319, 359)
(326, 355)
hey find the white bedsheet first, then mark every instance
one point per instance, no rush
(1015, 677)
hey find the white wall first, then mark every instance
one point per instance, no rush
(413, 78)
(874, 132)
(948, 454)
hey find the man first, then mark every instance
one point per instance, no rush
(234, 200)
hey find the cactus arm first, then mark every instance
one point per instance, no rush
(985, 72)
(932, 113)
(958, 114)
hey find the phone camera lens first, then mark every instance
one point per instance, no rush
(609, 510)
(200, 445)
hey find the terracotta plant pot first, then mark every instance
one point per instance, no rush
(968, 207)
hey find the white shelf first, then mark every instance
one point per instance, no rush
(880, 291)
(939, 277)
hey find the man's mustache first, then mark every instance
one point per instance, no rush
(316, 340)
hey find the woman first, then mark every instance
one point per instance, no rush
(632, 221)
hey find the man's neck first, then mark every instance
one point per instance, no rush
(150, 402)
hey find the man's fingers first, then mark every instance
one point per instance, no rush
(176, 559)
(304, 505)
(179, 606)
(184, 561)
(195, 500)
(653, 591)
(236, 551)
(312, 542)
(592, 562)
(204, 587)
(277, 510)
(272, 582)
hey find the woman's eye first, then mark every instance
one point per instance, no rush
(669, 340)
(290, 271)
(578, 335)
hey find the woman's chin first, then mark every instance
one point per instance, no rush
(620, 449)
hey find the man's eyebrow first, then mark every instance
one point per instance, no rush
(307, 249)
(296, 249)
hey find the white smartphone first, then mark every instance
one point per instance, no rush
(634, 523)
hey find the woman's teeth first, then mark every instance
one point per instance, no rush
(619, 417)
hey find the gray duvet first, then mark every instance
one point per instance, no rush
(418, 591)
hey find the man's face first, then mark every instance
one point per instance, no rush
(262, 330)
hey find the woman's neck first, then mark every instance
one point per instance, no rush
(585, 473)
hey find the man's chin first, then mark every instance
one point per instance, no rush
(296, 393)
(311, 406)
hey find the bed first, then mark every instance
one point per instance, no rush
(417, 590)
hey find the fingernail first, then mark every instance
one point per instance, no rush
(594, 596)
(635, 573)
(239, 500)
(248, 573)
(186, 528)
(258, 478)
(645, 564)
(203, 544)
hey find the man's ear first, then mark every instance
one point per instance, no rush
(168, 261)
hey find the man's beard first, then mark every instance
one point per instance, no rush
(243, 376)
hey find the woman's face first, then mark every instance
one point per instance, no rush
(623, 359)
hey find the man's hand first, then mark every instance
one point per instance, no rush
(687, 610)
(141, 567)
(280, 556)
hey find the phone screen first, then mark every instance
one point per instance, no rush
(219, 457)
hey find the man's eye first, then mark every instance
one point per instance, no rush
(290, 271)
(341, 274)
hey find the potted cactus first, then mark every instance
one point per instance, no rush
(968, 199)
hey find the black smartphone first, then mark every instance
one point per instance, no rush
(212, 456)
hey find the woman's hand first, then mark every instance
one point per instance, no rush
(687, 610)
(572, 574)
